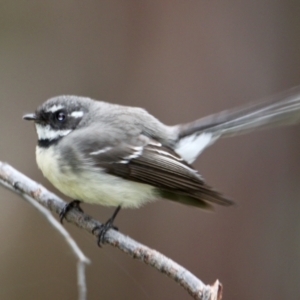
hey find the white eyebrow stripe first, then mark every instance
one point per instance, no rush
(55, 108)
(77, 114)
(101, 151)
(47, 133)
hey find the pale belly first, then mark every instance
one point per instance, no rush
(93, 186)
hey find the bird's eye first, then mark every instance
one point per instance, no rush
(60, 116)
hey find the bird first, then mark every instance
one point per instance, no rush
(120, 156)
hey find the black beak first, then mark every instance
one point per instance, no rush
(29, 117)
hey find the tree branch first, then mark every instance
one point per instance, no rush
(82, 259)
(27, 188)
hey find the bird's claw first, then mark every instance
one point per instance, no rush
(103, 228)
(68, 207)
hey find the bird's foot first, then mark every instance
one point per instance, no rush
(68, 207)
(103, 228)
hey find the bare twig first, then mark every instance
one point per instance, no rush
(14, 180)
(82, 259)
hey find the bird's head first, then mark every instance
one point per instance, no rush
(58, 117)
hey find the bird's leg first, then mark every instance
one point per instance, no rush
(68, 207)
(106, 226)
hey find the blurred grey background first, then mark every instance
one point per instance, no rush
(180, 60)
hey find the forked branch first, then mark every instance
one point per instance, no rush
(29, 189)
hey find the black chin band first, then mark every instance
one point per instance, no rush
(46, 143)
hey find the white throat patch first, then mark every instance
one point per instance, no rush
(47, 133)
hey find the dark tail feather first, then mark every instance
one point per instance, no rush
(279, 110)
